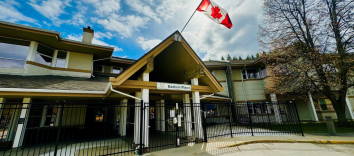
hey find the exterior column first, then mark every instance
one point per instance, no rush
(31, 54)
(276, 108)
(157, 115)
(145, 98)
(312, 109)
(2, 101)
(188, 115)
(349, 109)
(123, 117)
(22, 123)
(197, 113)
(54, 59)
(162, 109)
(137, 119)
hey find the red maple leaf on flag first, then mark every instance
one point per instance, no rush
(215, 12)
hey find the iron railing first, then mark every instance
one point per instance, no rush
(101, 128)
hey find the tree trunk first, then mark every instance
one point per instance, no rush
(339, 107)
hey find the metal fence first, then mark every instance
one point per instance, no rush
(68, 128)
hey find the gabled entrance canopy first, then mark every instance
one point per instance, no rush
(172, 61)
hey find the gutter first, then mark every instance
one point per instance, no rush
(205, 96)
(125, 94)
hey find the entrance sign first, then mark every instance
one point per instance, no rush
(172, 86)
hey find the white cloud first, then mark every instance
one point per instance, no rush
(147, 44)
(105, 7)
(168, 8)
(8, 12)
(94, 41)
(124, 25)
(51, 9)
(142, 8)
(100, 35)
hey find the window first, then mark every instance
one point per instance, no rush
(99, 114)
(44, 55)
(61, 57)
(326, 104)
(116, 70)
(13, 53)
(97, 68)
(51, 116)
(264, 72)
(251, 73)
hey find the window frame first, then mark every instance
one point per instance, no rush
(246, 74)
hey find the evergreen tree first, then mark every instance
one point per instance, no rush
(228, 57)
(239, 58)
(222, 58)
(234, 58)
(248, 57)
(252, 57)
(257, 56)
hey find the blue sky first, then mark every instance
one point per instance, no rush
(133, 27)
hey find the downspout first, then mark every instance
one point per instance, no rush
(93, 62)
(125, 94)
(243, 85)
(202, 97)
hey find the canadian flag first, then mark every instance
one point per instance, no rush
(215, 12)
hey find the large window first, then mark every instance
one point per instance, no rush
(116, 70)
(251, 73)
(44, 55)
(13, 53)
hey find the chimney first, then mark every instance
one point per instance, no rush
(88, 35)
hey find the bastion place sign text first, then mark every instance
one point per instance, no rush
(171, 86)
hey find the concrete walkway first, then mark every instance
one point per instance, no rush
(216, 146)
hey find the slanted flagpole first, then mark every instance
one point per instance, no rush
(191, 16)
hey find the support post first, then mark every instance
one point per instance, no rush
(311, 107)
(145, 98)
(141, 127)
(2, 101)
(250, 118)
(197, 112)
(163, 123)
(22, 123)
(230, 117)
(137, 119)
(123, 117)
(276, 107)
(348, 109)
(188, 115)
(157, 115)
(59, 128)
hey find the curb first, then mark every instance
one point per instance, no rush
(293, 141)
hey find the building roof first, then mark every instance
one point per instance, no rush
(53, 39)
(98, 83)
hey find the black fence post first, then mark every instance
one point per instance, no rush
(230, 117)
(298, 117)
(141, 126)
(59, 128)
(204, 122)
(250, 118)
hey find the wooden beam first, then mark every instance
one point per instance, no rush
(149, 65)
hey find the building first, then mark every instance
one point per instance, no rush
(58, 90)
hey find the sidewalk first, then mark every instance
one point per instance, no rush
(215, 147)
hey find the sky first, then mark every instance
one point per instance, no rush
(133, 27)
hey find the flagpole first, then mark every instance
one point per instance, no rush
(191, 16)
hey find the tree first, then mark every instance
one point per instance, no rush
(248, 57)
(257, 56)
(228, 57)
(252, 57)
(239, 58)
(311, 48)
(222, 58)
(234, 58)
